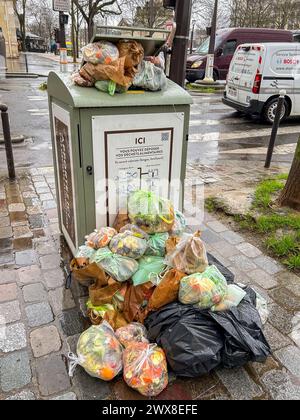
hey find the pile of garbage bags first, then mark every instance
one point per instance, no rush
(158, 299)
(114, 68)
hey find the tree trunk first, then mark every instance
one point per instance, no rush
(91, 28)
(290, 195)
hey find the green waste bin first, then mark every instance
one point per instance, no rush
(104, 147)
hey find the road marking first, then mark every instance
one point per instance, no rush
(226, 121)
(263, 132)
(282, 149)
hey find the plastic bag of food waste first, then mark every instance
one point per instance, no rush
(166, 292)
(129, 245)
(102, 52)
(132, 333)
(133, 52)
(136, 300)
(135, 230)
(110, 87)
(86, 273)
(150, 269)
(244, 340)
(100, 295)
(233, 297)
(189, 255)
(80, 81)
(100, 238)
(118, 267)
(179, 225)
(145, 368)
(156, 245)
(97, 313)
(204, 289)
(158, 61)
(85, 251)
(171, 244)
(229, 276)
(192, 341)
(150, 77)
(115, 319)
(98, 352)
(150, 213)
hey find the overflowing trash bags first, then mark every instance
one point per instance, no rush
(158, 299)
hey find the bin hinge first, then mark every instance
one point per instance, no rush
(187, 137)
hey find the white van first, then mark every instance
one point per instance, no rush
(256, 75)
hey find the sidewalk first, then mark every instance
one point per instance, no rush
(43, 320)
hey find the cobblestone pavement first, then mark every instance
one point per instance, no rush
(40, 321)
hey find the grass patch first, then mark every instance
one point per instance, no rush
(273, 222)
(210, 204)
(287, 244)
(201, 89)
(293, 262)
(265, 191)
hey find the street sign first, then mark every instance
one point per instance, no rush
(61, 5)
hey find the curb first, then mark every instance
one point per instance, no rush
(14, 140)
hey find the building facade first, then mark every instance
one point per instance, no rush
(8, 25)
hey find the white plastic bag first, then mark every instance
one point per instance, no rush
(150, 77)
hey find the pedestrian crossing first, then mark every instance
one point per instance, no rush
(216, 133)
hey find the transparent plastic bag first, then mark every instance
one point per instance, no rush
(205, 290)
(100, 238)
(85, 251)
(135, 230)
(150, 270)
(118, 267)
(150, 77)
(102, 52)
(179, 225)
(145, 369)
(98, 352)
(233, 298)
(156, 245)
(129, 245)
(150, 213)
(132, 333)
(189, 255)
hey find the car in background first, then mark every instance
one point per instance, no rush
(227, 41)
(257, 74)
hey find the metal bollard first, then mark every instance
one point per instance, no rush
(275, 127)
(7, 141)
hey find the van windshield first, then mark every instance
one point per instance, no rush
(204, 47)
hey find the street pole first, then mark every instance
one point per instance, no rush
(7, 142)
(180, 46)
(209, 71)
(62, 39)
(192, 36)
(275, 127)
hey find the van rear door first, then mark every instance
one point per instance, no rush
(244, 67)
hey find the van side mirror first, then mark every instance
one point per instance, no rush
(219, 52)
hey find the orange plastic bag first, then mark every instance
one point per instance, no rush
(102, 295)
(136, 299)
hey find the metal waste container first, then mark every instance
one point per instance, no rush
(105, 147)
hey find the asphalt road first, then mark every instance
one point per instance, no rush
(217, 133)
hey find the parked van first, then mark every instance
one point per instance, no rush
(227, 41)
(257, 74)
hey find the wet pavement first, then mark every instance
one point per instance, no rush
(40, 321)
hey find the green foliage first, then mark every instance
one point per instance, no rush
(286, 245)
(293, 262)
(270, 223)
(264, 192)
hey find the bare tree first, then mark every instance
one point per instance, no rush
(20, 10)
(42, 20)
(89, 9)
(290, 196)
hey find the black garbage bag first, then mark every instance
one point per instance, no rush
(192, 341)
(197, 341)
(244, 338)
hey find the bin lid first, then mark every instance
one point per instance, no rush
(151, 44)
(61, 87)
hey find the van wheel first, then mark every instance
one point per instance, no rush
(269, 111)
